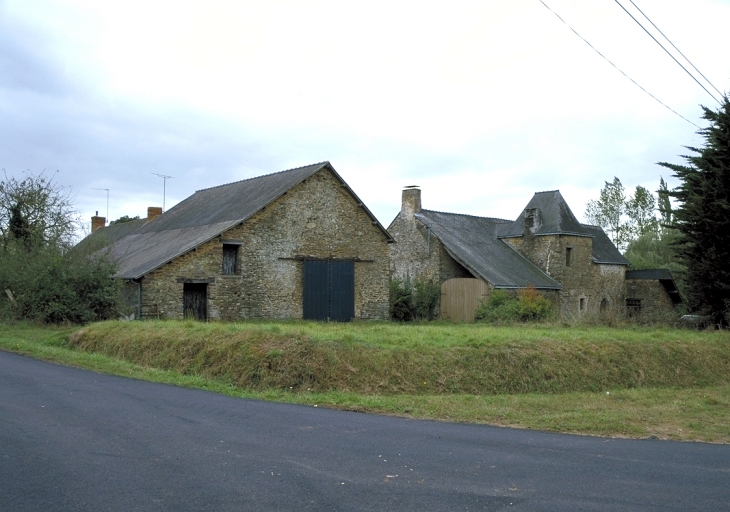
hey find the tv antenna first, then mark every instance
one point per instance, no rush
(107, 201)
(164, 183)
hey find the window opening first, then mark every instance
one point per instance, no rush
(230, 259)
(568, 256)
(633, 307)
(582, 304)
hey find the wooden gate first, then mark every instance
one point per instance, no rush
(329, 290)
(195, 301)
(460, 298)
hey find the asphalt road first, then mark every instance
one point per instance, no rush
(72, 439)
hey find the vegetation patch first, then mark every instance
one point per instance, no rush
(382, 358)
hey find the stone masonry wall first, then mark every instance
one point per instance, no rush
(317, 219)
(416, 255)
(585, 283)
(655, 301)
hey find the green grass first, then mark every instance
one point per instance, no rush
(282, 361)
(385, 358)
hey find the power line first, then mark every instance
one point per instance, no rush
(668, 53)
(673, 46)
(617, 68)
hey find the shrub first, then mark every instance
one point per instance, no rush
(528, 306)
(533, 306)
(401, 300)
(414, 301)
(52, 286)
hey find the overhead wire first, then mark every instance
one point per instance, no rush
(617, 68)
(668, 52)
(673, 46)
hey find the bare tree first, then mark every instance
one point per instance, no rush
(37, 210)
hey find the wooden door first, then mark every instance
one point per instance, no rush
(195, 301)
(329, 290)
(460, 298)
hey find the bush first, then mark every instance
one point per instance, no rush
(501, 307)
(414, 301)
(401, 300)
(52, 286)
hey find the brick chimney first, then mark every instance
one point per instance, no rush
(153, 212)
(97, 222)
(411, 201)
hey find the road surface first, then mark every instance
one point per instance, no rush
(74, 440)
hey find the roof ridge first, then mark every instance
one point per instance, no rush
(318, 164)
(547, 191)
(466, 215)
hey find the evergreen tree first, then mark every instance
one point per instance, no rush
(703, 216)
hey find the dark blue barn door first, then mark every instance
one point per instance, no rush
(329, 290)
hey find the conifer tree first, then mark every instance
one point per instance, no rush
(703, 217)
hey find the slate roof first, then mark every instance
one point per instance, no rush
(473, 242)
(203, 216)
(476, 242)
(662, 275)
(603, 249)
(556, 218)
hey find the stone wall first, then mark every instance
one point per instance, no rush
(317, 219)
(655, 301)
(585, 284)
(417, 254)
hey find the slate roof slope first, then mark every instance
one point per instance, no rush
(473, 242)
(556, 218)
(205, 215)
(109, 234)
(603, 249)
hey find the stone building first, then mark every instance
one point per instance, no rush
(293, 244)
(575, 265)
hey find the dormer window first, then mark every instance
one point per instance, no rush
(568, 256)
(230, 259)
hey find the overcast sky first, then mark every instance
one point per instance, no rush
(480, 103)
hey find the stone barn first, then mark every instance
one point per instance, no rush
(293, 244)
(575, 265)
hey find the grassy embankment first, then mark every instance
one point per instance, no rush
(662, 382)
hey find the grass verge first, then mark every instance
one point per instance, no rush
(700, 413)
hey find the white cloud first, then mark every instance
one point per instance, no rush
(480, 103)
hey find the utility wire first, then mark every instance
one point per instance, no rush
(619, 69)
(673, 46)
(668, 53)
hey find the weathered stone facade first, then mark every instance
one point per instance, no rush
(316, 219)
(654, 301)
(580, 270)
(587, 287)
(417, 253)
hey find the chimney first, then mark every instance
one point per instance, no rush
(411, 201)
(97, 222)
(153, 212)
(533, 220)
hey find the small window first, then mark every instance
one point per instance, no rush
(582, 304)
(633, 307)
(568, 256)
(230, 259)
